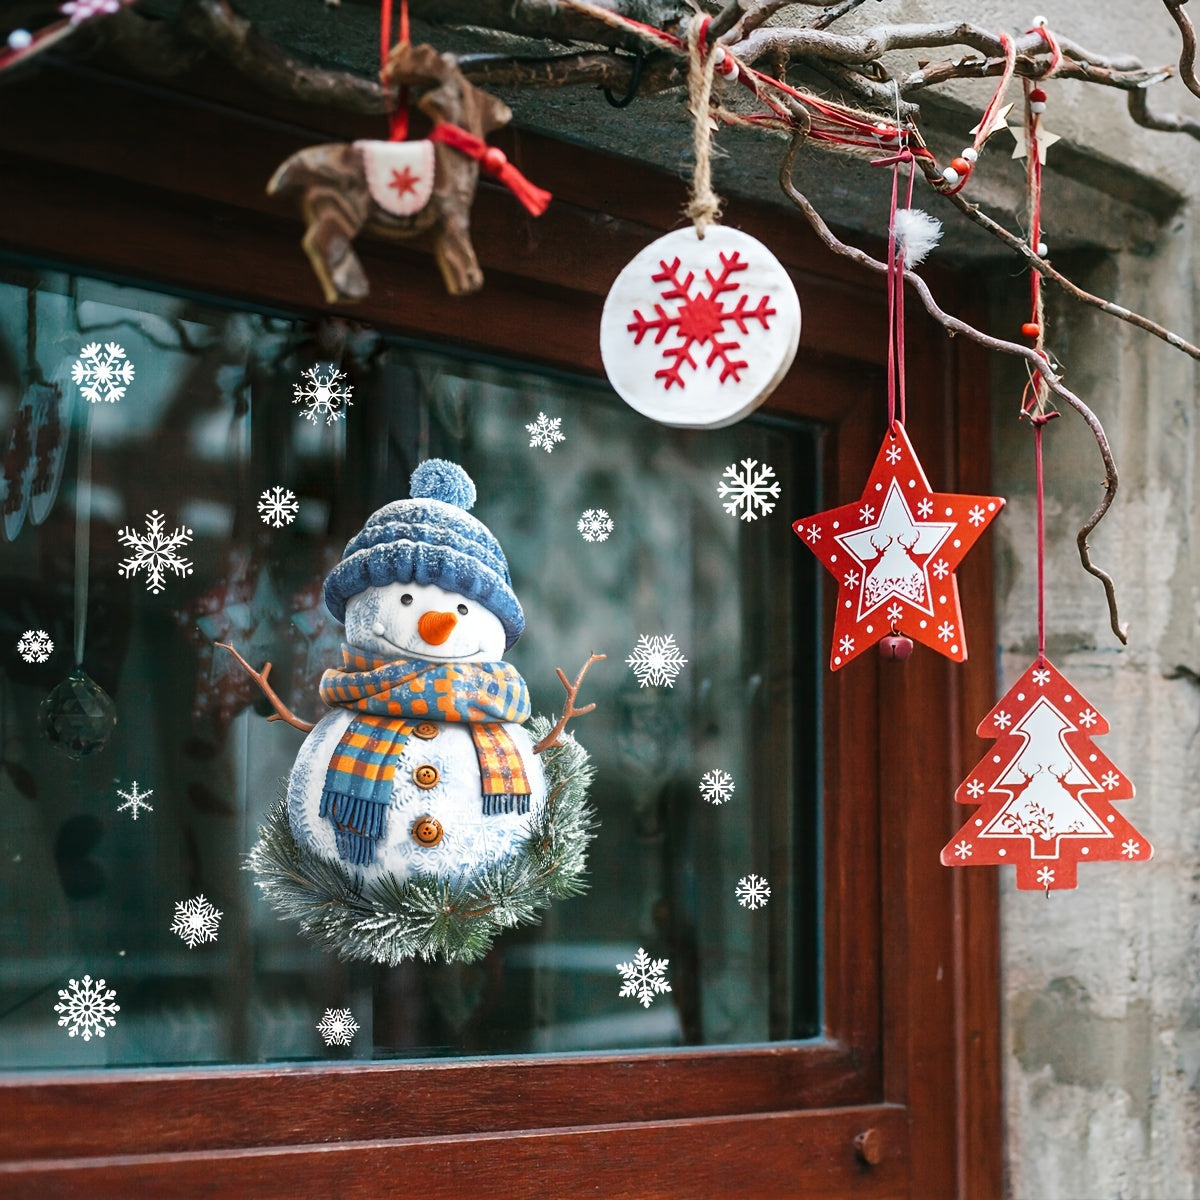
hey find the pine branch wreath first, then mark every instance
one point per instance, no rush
(388, 920)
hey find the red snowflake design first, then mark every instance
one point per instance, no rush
(404, 183)
(700, 318)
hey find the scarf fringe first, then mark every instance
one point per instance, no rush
(505, 802)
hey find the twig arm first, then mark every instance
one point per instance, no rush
(282, 712)
(569, 709)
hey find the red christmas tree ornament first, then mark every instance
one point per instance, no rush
(1045, 792)
(894, 552)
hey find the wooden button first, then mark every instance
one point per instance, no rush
(426, 776)
(426, 730)
(427, 831)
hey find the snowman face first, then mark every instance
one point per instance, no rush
(422, 620)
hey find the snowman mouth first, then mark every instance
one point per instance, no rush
(421, 652)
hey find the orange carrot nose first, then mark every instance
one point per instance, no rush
(436, 627)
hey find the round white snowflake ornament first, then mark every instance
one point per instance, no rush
(698, 332)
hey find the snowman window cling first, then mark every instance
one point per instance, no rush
(426, 811)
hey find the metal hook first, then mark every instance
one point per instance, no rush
(635, 79)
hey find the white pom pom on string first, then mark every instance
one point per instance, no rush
(916, 234)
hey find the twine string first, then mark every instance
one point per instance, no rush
(704, 205)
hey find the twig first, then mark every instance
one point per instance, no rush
(282, 712)
(954, 325)
(1187, 56)
(569, 709)
(1044, 269)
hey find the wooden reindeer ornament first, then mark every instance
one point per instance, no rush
(402, 189)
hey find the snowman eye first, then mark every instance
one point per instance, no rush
(462, 608)
(406, 599)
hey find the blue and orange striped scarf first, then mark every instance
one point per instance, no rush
(393, 698)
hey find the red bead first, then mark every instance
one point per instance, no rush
(1031, 329)
(961, 166)
(895, 647)
(493, 160)
(1037, 96)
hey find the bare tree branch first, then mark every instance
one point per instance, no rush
(1187, 56)
(953, 325)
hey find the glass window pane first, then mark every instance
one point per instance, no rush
(93, 872)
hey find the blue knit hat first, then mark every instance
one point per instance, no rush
(429, 539)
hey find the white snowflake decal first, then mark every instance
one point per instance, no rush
(595, 525)
(813, 535)
(102, 373)
(716, 786)
(940, 568)
(544, 432)
(1087, 718)
(976, 515)
(846, 645)
(278, 507)
(925, 507)
(962, 849)
(751, 490)
(1045, 877)
(135, 800)
(1131, 848)
(154, 550)
(1041, 677)
(1110, 779)
(644, 977)
(699, 319)
(337, 1027)
(894, 613)
(324, 392)
(893, 454)
(1002, 720)
(851, 579)
(946, 630)
(196, 921)
(656, 660)
(752, 891)
(35, 646)
(866, 514)
(87, 1008)
(975, 788)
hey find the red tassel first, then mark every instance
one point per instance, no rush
(493, 161)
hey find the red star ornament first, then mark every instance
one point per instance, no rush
(404, 181)
(894, 552)
(1045, 792)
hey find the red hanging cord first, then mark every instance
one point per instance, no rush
(399, 119)
(897, 403)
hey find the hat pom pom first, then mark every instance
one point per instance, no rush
(437, 479)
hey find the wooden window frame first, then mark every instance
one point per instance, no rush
(901, 1096)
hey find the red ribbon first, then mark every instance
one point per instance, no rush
(493, 161)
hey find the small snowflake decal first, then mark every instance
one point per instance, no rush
(135, 800)
(866, 514)
(1110, 779)
(813, 535)
(324, 392)
(976, 516)
(1087, 718)
(894, 613)
(656, 660)
(1131, 848)
(925, 507)
(940, 568)
(1041, 677)
(751, 490)
(102, 373)
(337, 1027)
(278, 507)
(962, 849)
(850, 579)
(893, 454)
(545, 432)
(699, 319)
(154, 551)
(595, 525)
(87, 1008)
(1002, 720)
(752, 892)
(975, 788)
(716, 786)
(35, 646)
(946, 631)
(196, 921)
(644, 977)
(1045, 877)
(846, 645)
